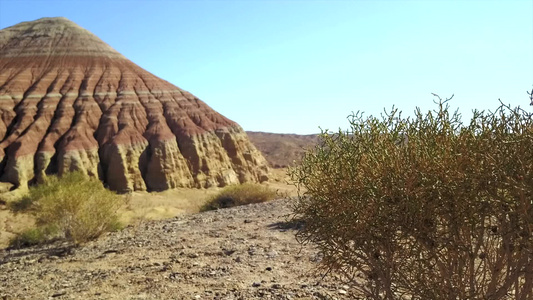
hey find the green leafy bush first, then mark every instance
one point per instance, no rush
(424, 207)
(76, 206)
(235, 195)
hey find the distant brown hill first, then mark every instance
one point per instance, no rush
(282, 150)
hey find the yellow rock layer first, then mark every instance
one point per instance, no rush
(167, 168)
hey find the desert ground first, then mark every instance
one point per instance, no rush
(142, 206)
(246, 252)
(170, 251)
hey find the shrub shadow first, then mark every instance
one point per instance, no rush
(37, 252)
(287, 225)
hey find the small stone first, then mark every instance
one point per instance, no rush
(228, 252)
(342, 292)
(58, 294)
(256, 284)
(272, 254)
(268, 269)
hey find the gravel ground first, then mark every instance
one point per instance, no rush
(247, 252)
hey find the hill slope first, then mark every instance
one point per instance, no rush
(68, 101)
(282, 150)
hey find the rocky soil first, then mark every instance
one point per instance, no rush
(247, 252)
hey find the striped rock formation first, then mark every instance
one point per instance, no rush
(68, 101)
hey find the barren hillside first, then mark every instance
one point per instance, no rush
(282, 150)
(68, 101)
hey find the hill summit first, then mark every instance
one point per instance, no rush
(69, 101)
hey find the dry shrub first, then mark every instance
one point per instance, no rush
(74, 206)
(33, 236)
(243, 194)
(424, 207)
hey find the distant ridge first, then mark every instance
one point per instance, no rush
(282, 150)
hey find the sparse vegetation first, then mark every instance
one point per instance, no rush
(34, 236)
(73, 206)
(243, 194)
(424, 207)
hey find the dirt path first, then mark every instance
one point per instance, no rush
(247, 252)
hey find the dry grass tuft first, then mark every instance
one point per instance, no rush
(242, 194)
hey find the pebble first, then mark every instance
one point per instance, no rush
(58, 294)
(342, 292)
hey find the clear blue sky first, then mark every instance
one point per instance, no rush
(292, 66)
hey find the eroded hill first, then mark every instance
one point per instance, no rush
(68, 101)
